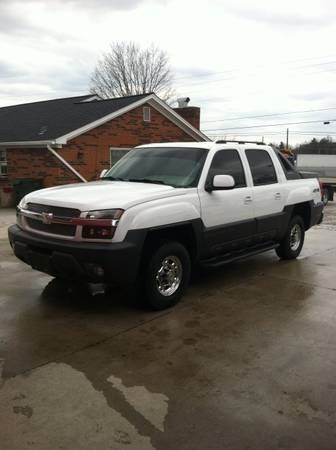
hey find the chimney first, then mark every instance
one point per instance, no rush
(190, 113)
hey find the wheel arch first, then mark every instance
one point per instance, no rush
(187, 233)
(303, 210)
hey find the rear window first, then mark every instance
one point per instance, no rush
(290, 171)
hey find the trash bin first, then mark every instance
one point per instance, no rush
(23, 186)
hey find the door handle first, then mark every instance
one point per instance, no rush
(248, 199)
(277, 196)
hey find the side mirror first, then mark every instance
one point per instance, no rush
(221, 182)
(103, 173)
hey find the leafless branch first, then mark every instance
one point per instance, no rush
(127, 69)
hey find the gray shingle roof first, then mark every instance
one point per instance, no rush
(48, 120)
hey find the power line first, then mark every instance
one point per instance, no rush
(269, 115)
(271, 125)
(249, 73)
(261, 67)
(274, 134)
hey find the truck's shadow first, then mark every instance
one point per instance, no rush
(81, 296)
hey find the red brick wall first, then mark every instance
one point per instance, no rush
(125, 131)
(89, 153)
(191, 114)
(38, 164)
(6, 192)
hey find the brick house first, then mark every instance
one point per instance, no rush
(73, 139)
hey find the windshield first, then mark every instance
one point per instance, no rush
(174, 166)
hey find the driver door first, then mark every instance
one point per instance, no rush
(228, 214)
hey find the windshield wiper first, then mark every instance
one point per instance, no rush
(137, 180)
(113, 179)
(147, 180)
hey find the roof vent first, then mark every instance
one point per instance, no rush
(90, 99)
(42, 130)
(183, 102)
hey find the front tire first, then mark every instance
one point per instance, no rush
(167, 275)
(291, 245)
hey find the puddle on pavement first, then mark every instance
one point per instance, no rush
(152, 406)
(52, 405)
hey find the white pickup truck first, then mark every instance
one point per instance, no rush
(163, 208)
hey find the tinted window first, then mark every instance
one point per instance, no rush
(290, 170)
(227, 162)
(262, 167)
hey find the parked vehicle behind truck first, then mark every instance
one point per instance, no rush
(164, 208)
(324, 166)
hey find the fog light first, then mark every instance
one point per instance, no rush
(98, 232)
(95, 270)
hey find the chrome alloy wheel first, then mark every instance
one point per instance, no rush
(295, 237)
(169, 276)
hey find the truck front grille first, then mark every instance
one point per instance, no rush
(39, 221)
(56, 210)
(52, 228)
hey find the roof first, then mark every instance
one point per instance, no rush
(51, 119)
(65, 118)
(210, 145)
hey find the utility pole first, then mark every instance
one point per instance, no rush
(287, 133)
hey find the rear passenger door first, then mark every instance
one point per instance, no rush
(228, 215)
(268, 195)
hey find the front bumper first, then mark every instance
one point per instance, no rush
(115, 263)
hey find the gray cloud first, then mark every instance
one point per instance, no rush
(106, 4)
(318, 95)
(13, 23)
(10, 21)
(9, 71)
(282, 19)
(190, 73)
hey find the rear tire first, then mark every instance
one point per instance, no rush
(291, 245)
(167, 275)
(325, 196)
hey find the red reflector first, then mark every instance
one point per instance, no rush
(321, 187)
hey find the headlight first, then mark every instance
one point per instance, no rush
(23, 203)
(100, 224)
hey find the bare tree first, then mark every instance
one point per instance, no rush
(127, 69)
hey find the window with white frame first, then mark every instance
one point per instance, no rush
(146, 114)
(117, 153)
(3, 163)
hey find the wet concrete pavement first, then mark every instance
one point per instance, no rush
(246, 361)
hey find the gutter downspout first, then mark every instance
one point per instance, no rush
(66, 164)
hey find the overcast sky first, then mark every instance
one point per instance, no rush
(233, 58)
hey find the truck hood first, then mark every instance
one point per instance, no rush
(102, 195)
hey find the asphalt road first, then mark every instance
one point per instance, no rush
(245, 361)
